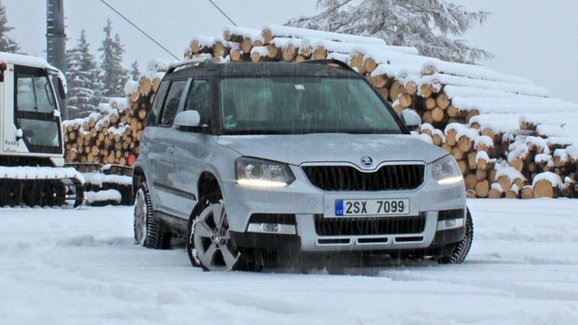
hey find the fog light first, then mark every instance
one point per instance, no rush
(270, 227)
(450, 224)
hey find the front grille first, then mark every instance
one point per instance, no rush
(369, 226)
(347, 178)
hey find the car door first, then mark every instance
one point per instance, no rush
(150, 143)
(163, 161)
(190, 148)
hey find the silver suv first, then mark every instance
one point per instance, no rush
(258, 162)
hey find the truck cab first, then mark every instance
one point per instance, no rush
(30, 114)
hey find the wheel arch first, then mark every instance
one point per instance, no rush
(208, 184)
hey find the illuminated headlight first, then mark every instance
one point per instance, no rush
(262, 173)
(446, 171)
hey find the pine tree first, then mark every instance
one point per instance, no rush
(84, 88)
(432, 26)
(6, 43)
(134, 72)
(114, 76)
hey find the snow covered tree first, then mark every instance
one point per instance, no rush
(134, 72)
(432, 26)
(84, 88)
(6, 43)
(114, 76)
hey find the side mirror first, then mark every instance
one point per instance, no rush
(187, 120)
(411, 119)
(61, 89)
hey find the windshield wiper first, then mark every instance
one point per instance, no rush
(255, 132)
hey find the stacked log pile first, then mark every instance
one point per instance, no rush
(112, 136)
(489, 122)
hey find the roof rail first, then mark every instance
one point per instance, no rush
(193, 62)
(331, 62)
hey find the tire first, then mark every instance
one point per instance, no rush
(209, 242)
(459, 251)
(148, 231)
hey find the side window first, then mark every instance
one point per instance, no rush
(172, 102)
(198, 99)
(158, 104)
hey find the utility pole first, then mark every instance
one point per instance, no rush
(56, 39)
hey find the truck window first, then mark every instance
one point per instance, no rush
(35, 104)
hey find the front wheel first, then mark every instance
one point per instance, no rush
(459, 251)
(209, 242)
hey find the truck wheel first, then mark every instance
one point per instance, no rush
(209, 242)
(147, 228)
(459, 251)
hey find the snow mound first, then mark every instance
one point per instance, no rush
(103, 196)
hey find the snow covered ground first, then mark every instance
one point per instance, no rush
(81, 267)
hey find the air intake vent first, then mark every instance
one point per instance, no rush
(369, 226)
(347, 178)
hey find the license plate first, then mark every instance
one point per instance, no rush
(385, 207)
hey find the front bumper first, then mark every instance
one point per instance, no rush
(310, 206)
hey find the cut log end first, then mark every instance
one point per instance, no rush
(544, 188)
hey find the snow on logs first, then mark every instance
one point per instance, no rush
(504, 131)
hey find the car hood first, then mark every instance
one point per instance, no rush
(330, 147)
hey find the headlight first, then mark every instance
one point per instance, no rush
(446, 171)
(262, 173)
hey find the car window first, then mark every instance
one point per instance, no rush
(283, 105)
(159, 100)
(198, 99)
(172, 102)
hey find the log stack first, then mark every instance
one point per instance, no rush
(471, 112)
(111, 136)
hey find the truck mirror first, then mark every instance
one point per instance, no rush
(61, 90)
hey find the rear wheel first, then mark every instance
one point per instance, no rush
(458, 252)
(147, 228)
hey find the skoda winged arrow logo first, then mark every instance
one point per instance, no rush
(367, 161)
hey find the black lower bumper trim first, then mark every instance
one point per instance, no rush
(266, 241)
(446, 237)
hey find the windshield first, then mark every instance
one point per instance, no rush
(304, 105)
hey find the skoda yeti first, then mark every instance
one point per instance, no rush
(253, 160)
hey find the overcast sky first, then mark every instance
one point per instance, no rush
(534, 39)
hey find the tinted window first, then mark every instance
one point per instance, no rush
(198, 99)
(172, 102)
(303, 105)
(159, 100)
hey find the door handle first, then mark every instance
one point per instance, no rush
(171, 150)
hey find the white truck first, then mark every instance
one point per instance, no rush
(32, 171)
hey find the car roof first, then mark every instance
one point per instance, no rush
(263, 69)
